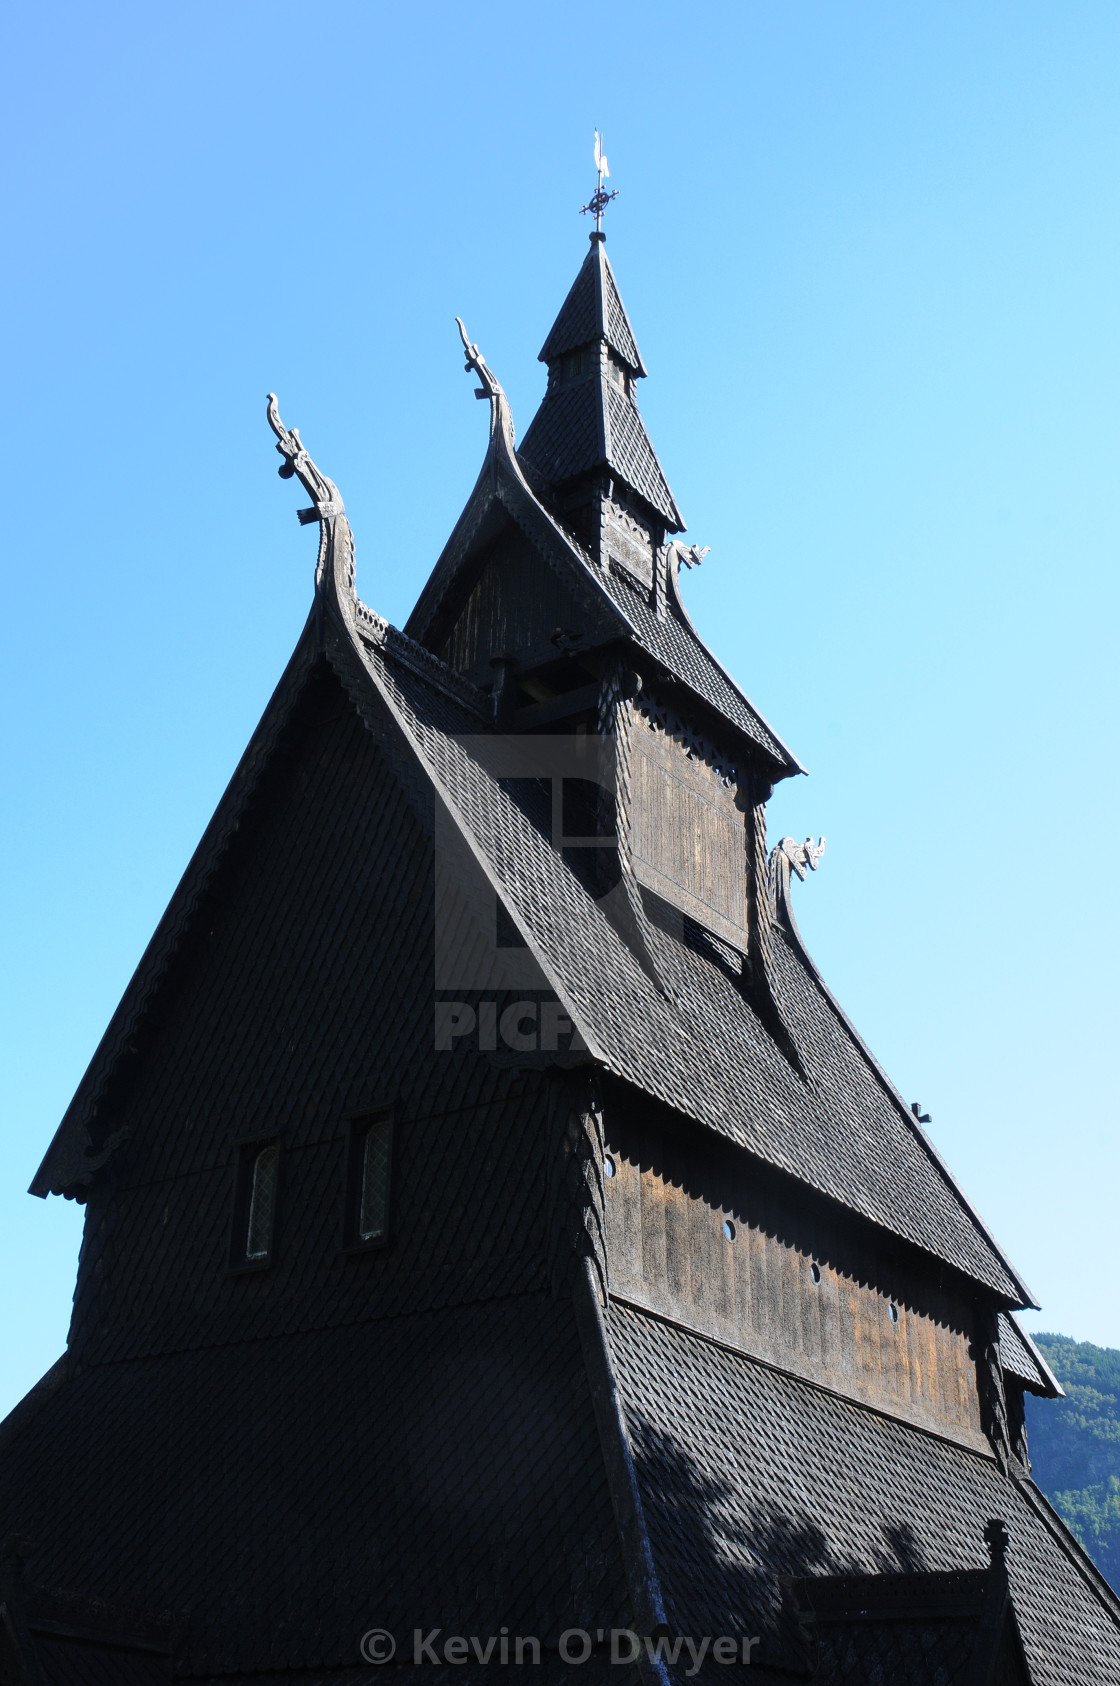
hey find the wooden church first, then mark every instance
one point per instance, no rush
(502, 1255)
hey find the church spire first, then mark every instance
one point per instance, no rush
(587, 445)
(594, 310)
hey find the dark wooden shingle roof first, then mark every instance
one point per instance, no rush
(591, 424)
(444, 1440)
(748, 1473)
(594, 310)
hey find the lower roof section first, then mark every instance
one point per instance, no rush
(748, 1474)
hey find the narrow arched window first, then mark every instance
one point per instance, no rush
(373, 1215)
(368, 1173)
(262, 1204)
(254, 1208)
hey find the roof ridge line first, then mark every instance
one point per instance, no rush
(501, 473)
(424, 662)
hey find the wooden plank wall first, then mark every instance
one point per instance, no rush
(687, 833)
(672, 1190)
(516, 601)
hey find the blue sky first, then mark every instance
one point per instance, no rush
(871, 254)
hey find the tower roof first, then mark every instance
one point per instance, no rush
(589, 424)
(589, 419)
(594, 310)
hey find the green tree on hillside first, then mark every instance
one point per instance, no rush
(1075, 1445)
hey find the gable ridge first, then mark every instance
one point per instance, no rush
(502, 480)
(375, 629)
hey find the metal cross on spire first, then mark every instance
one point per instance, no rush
(600, 199)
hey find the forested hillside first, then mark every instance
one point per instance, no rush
(1075, 1445)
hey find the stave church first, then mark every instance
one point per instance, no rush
(502, 1255)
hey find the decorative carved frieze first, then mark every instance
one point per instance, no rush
(695, 745)
(626, 540)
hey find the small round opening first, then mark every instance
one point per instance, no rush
(608, 1166)
(815, 1272)
(729, 1229)
(894, 1313)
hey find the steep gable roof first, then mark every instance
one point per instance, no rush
(588, 418)
(666, 636)
(702, 1048)
(705, 1050)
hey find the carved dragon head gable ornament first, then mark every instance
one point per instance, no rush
(334, 568)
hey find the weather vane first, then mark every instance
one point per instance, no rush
(600, 199)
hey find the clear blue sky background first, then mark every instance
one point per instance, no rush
(871, 254)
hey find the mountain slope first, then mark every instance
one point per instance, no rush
(1075, 1445)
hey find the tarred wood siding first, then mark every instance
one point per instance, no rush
(666, 1206)
(688, 834)
(515, 604)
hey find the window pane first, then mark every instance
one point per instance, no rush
(374, 1204)
(262, 1205)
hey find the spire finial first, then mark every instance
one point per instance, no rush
(600, 199)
